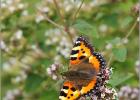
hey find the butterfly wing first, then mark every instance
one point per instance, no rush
(98, 62)
(81, 50)
(69, 92)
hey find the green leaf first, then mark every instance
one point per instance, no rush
(118, 78)
(40, 30)
(95, 32)
(85, 28)
(125, 7)
(126, 21)
(111, 20)
(120, 54)
(33, 82)
(50, 94)
(114, 41)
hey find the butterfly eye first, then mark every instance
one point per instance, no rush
(81, 49)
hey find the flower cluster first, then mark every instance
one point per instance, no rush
(52, 71)
(129, 93)
(101, 91)
(136, 8)
(29, 41)
(137, 68)
(14, 94)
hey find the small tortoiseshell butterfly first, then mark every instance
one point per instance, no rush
(81, 77)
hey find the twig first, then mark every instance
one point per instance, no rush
(127, 35)
(110, 59)
(63, 29)
(55, 24)
(132, 28)
(66, 29)
(1, 61)
(68, 32)
(138, 19)
(58, 10)
(75, 14)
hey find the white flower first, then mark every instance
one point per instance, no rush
(6, 66)
(137, 63)
(25, 13)
(16, 91)
(23, 74)
(17, 79)
(138, 19)
(103, 28)
(48, 42)
(11, 8)
(12, 61)
(125, 41)
(54, 77)
(39, 18)
(57, 31)
(55, 39)
(3, 5)
(21, 6)
(34, 46)
(57, 59)
(45, 9)
(19, 34)
(9, 2)
(108, 46)
(68, 8)
(9, 95)
(135, 90)
(95, 3)
(49, 71)
(53, 67)
(120, 94)
(2, 45)
(64, 53)
(133, 96)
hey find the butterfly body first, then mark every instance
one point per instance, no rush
(84, 66)
(80, 74)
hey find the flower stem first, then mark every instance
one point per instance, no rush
(58, 11)
(75, 15)
(131, 30)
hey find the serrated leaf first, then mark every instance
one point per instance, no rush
(120, 54)
(33, 82)
(85, 28)
(118, 78)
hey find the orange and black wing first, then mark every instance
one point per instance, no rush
(81, 50)
(69, 92)
(98, 62)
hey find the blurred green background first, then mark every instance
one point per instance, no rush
(36, 40)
